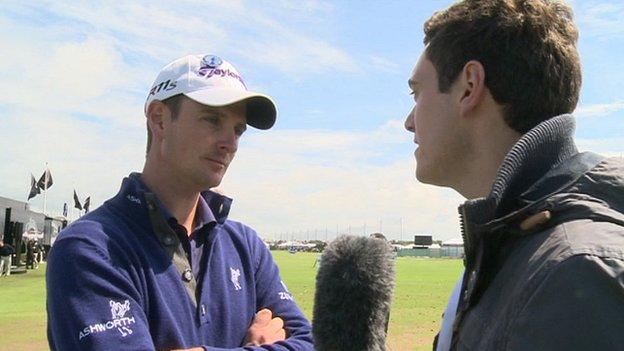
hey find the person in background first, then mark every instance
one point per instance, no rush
(37, 252)
(30, 254)
(6, 252)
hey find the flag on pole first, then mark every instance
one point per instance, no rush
(87, 203)
(34, 188)
(45, 182)
(65, 209)
(76, 201)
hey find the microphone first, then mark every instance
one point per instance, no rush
(354, 287)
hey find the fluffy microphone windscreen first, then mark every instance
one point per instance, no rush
(354, 287)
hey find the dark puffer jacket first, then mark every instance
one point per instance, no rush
(545, 250)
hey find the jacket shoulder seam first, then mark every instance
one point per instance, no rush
(590, 250)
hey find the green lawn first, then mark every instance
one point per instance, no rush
(423, 286)
(422, 290)
(22, 311)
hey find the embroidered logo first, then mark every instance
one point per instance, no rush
(133, 199)
(119, 310)
(285, 295)
(211, 61)
(210, 66)
(234, 275)
(118, 321)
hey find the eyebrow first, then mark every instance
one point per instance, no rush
(210, 109)
(215, 111)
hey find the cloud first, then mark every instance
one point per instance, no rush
(296, 54)
(385, 65)
(141, 29)
(603, 20)
(612, 147)
(66, 75)
(72, 104)
(599, 110)
(84, 155)
(308, 7)
(51, 73)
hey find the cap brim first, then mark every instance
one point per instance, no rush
(261, 110)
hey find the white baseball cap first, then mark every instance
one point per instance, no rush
(212, 81)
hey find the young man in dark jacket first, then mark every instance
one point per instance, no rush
(6, 252)
(543, 225)
(160, 266)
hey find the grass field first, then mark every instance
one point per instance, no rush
(423, 286)
(422, 290)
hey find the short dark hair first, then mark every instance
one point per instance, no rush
(527, 48)
(173, 103)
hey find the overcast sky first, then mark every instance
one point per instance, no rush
(74, 76)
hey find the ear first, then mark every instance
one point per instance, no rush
(472, 87)
(157, 113)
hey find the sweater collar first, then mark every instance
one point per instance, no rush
(212, 206)
(534, 154)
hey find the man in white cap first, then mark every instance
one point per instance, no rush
(159, 266)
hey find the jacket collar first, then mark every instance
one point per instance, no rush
(540, 165)
(537, 152)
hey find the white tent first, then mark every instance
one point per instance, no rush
(453, 242)
(32, 232)
(35, 235)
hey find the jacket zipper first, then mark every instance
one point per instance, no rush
(467, 251)
(464, 233)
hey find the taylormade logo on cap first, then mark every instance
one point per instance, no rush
(212, 81)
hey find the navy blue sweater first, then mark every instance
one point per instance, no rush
(112, 286)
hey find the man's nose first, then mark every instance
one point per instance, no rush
(229, 141)
(409, 121)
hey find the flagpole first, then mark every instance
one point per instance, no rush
(45, 190)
